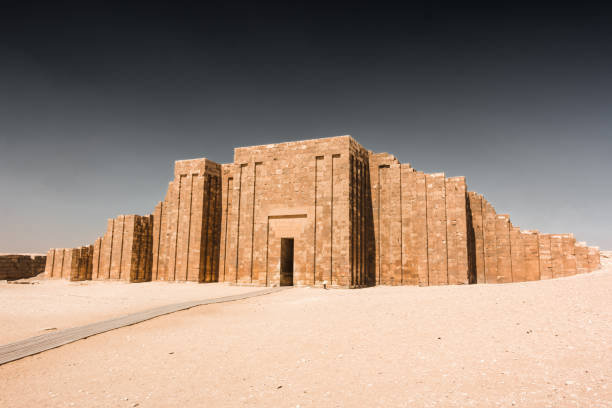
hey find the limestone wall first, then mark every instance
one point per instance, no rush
(429, 230)
(420, 225)
(20, 266)
(316, 192)
(504, 253)
(125, 250)
(187, 224)
(361, 218)
(73, 264)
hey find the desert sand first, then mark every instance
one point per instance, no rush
(537, 344)
(37, 306)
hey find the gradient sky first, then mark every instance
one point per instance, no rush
(98, 101)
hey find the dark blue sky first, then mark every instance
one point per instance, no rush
(98, 100)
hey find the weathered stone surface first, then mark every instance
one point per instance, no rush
(490, 242)
(81, 263)
(125, 250)
(419, 236)
(593, 258)
(457, 231)
(531, 250)
(476, 227)
(316, 192)
(556, 251)
(502, 239)
(20, 266)
(436, 229)
(517, 255)
(187, 224)
(582, 261)
(73, 264)
(546, 268)
(569, 254)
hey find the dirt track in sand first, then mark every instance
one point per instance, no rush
(537, 344)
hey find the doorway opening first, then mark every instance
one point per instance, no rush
(286, 262)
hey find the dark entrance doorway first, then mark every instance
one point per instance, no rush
(286, 262)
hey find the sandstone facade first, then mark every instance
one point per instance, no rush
(321, 212)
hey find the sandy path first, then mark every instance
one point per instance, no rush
(537, 344)
(30, 310)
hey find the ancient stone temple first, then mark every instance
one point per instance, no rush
(320, 212)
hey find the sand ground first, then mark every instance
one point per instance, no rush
(537, 344)
(37, 306)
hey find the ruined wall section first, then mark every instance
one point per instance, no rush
(125, 250)
(436, 229)
(420, 225)
(187, 224)
(476, 205)
(545, 256)
(81, 265)
(582, 261)
(517, 255)
(593, 257)
(73, 264)
(21, 266)
(385, 174)
(227, 243)
(504, 253)
(457, 235)
(502, 248)
(361, 220)
(531, 253)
